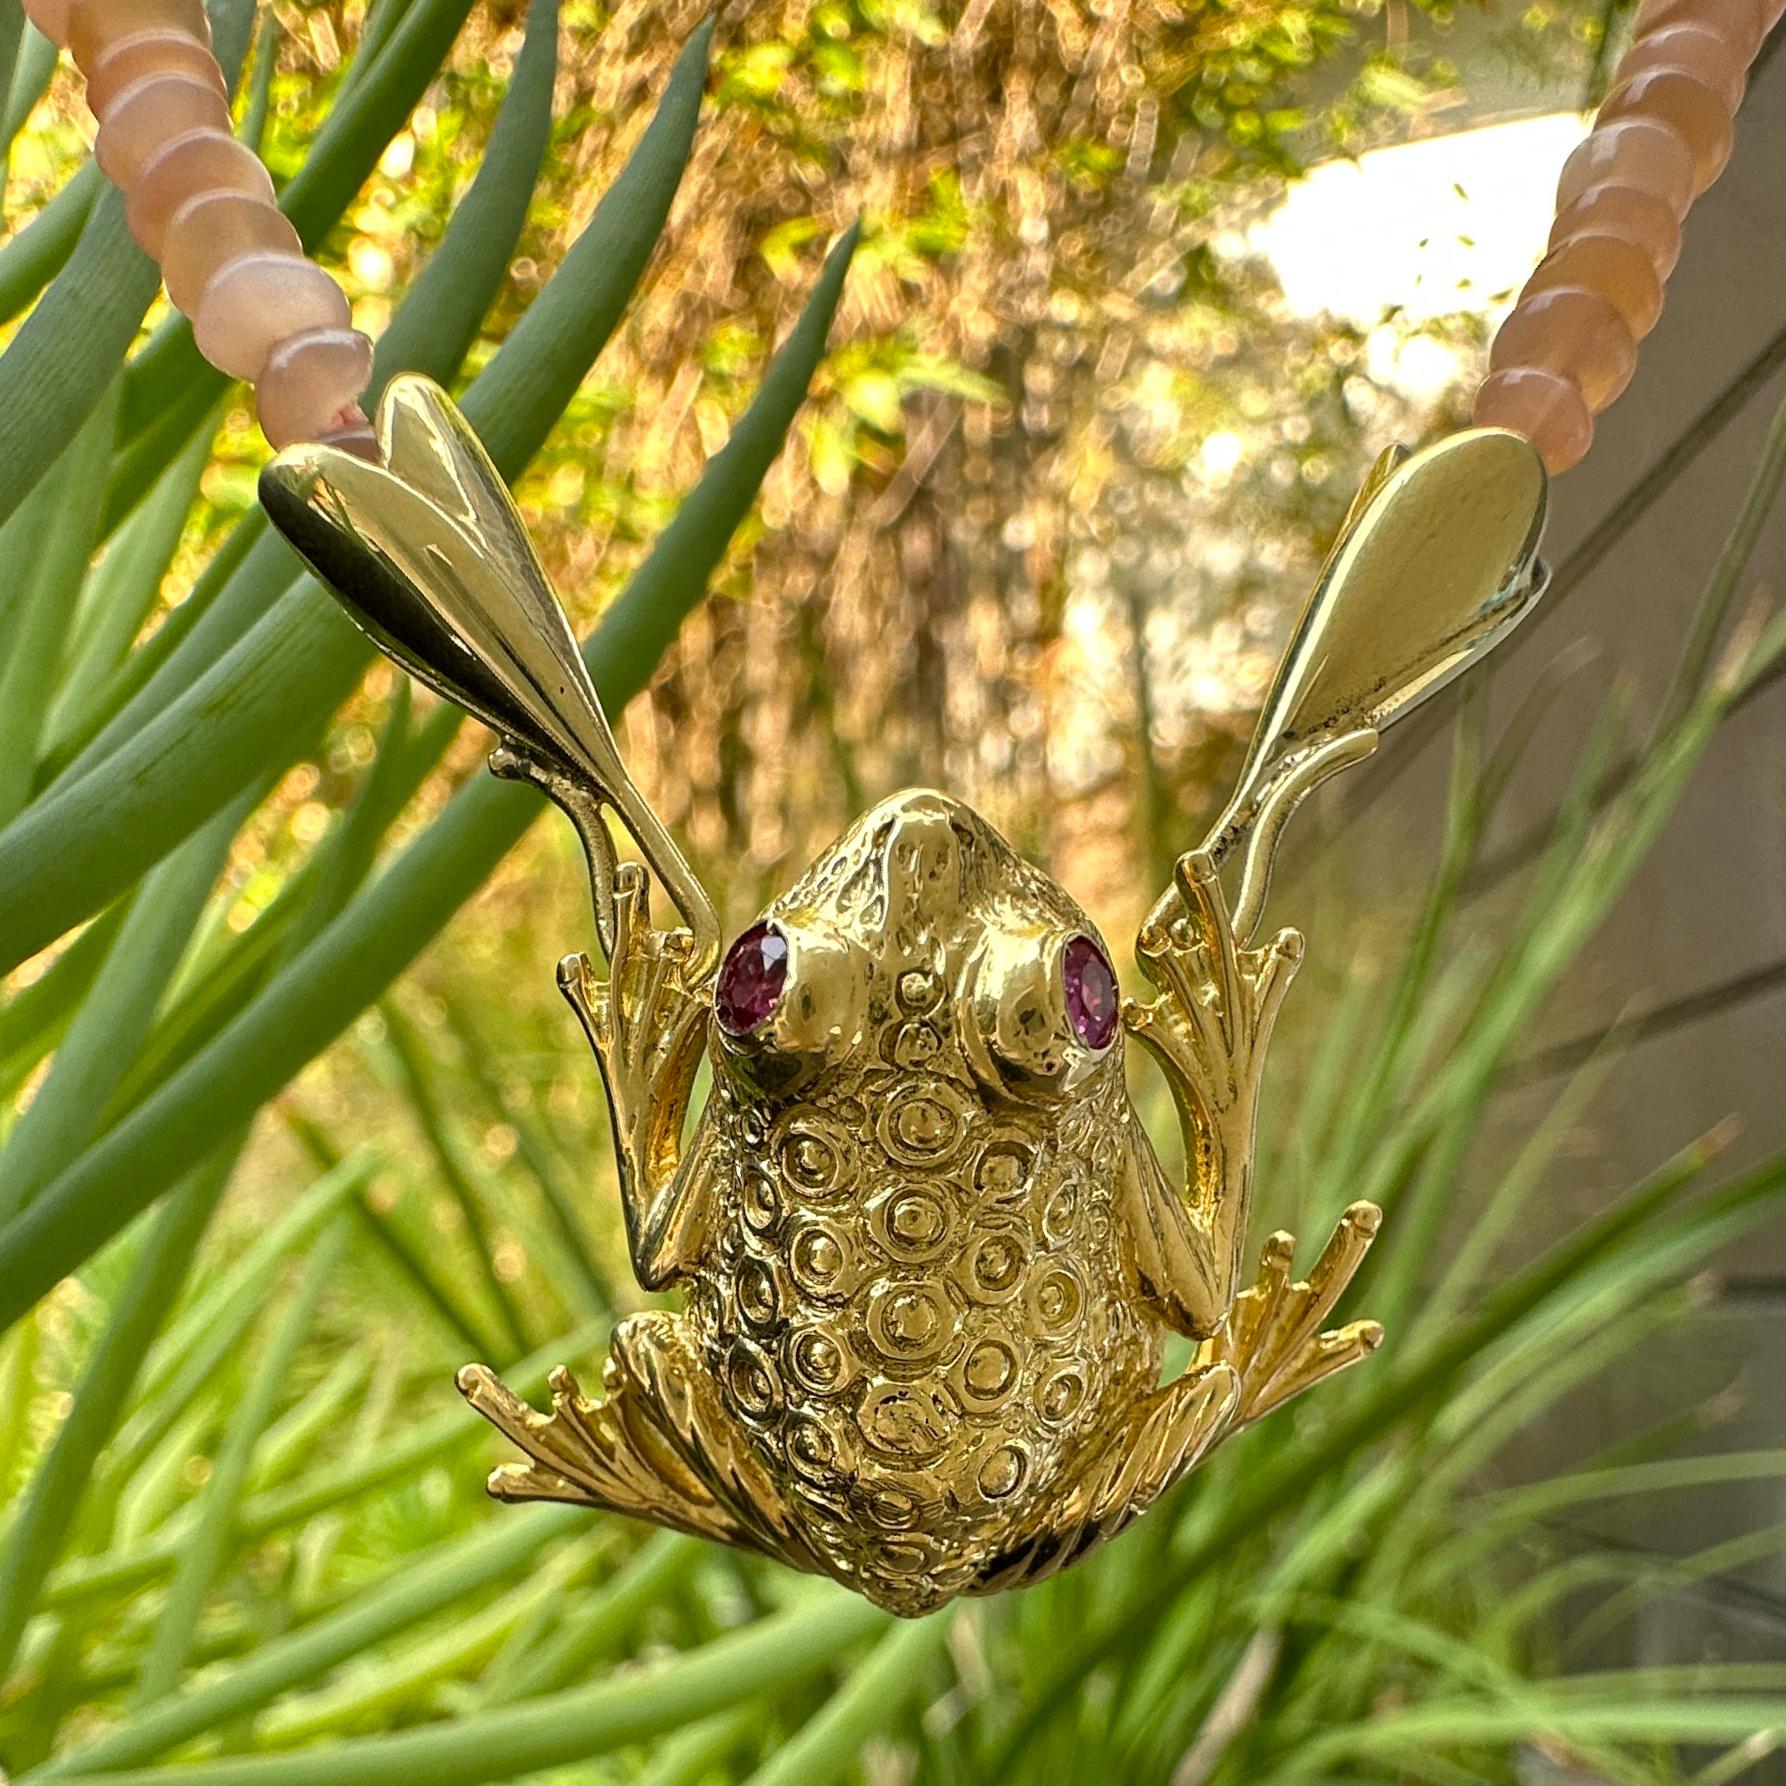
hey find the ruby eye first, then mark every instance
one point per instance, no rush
(1093, 1006)
(752, 979)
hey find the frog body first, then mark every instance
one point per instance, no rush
(915, 1294)
(927, 1255)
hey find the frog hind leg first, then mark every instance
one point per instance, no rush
(657, 1446)
(1271, 1347)
(1166, 1434)
(657, 1354)
(604, 1453)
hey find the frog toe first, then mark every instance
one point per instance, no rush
(609, 1454)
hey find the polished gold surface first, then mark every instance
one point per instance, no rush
(927, 1254)
(1436, 562)
(430, 558)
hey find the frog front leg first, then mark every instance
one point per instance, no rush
(1209, 1029)
(648, 1028)
(647, 1024)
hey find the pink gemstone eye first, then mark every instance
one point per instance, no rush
(1093, 1005)
(751, 981)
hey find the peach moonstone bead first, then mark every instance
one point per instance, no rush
(1575, 332)
(1628, 212)
(1641, 152)
(1741, 23)
(312, 383)
(259, 300)
(1689, 106)
(50, 17)
(200, 161)
(1697, 49)
(94, 25)
(149, 113)
(1547, 409)
(209, 231)
(1608, 264)
(355, 435)
(131, 59)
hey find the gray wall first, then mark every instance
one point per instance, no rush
(1710, 904)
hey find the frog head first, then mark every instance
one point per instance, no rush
(922, 940)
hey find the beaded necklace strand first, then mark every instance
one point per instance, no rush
(201, 204)
(1568, 347)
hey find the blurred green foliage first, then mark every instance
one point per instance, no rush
(286, 1138)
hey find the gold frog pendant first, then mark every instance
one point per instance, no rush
(928, 1257)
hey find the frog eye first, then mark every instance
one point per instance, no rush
(789, 996)
(752, 979)
(1043, 1010)
(1093, 1004)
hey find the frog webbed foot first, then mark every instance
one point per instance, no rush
(647, 1023)
(658, 1445)
(1271, 1347)
(1218, 1000)
(1273, 1338)
(605, 1453)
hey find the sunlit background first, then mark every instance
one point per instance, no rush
(1417, 249)
(1111, 364)
(1144, 287)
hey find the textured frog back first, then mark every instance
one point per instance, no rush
(916, 1311)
